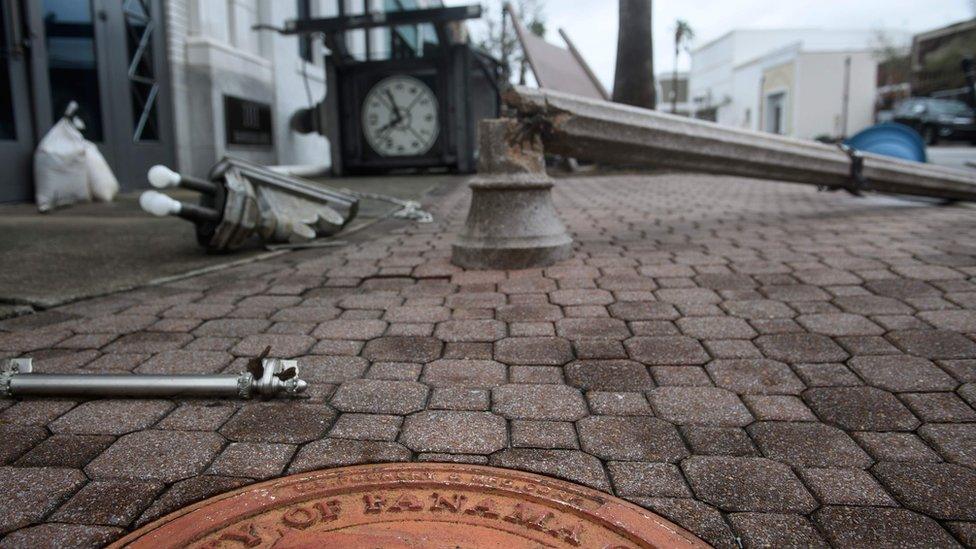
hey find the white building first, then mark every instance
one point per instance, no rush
(800, 82)
(177, 82)
(673, 92)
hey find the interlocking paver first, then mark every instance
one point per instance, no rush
(747, 484)
(454, 432)
(400, 348)
(808, 444)
(257, 460)
(895, 447)
(846, 487)
(282, 346)
(618, 404)
(940, 490)
(880, 527)
(554, 351)
(108, 502)
(287, 422)
(646, 479)
(699, 406)
(800, 348)
(464, 373)
(860, 409)
(716, 327)
(197, 417)
(572, 465)
(718, 441)
(331, 452)
(111, 417)
(379, 396)
(775, 530)
(954, 442)
(544, 434)
(189, 491)
(934, 343)
(544, 402)
(165, 456)
(367, 427)
(901, 373)
(30, 493)
(470, 330)
(63, 536)
(608, 375)
(74, 451)
(700, 519)
(630, 439)
(759, 376)
(666, 350)
(185, 362)
(938, 407)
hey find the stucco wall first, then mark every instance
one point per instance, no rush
(821, 93)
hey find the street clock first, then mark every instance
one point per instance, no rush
(412, 105)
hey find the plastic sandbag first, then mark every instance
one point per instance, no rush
(102, 183)
(60, 170)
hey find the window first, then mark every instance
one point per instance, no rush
(305, 40)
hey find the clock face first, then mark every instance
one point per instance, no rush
(400, 117)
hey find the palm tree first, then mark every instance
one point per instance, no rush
(633, 80)
(683, 33)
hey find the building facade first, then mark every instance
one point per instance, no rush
(799, 82)
(176, 82)
(673, 92)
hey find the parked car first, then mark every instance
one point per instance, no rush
(937, 119)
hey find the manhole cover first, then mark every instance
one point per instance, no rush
(400, 506)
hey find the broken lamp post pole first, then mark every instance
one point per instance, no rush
(519, 229)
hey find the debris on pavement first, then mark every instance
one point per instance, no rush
(68, 168)
(266, 377)
(242, 200)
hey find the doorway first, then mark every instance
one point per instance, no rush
(109, 57)
(775, 113)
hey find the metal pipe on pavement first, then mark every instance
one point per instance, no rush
(273, 377)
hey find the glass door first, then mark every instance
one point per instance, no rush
(16, 127)
(109, 57)
(141, 116)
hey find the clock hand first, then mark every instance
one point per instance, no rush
(396, 109)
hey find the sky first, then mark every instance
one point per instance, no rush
(592, 24)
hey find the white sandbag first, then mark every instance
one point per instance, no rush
(60, 170)
(102, 183)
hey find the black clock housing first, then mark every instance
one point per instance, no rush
(464, 96)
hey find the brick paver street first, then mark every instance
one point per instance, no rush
(755, 361)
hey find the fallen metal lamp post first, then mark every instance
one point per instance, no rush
(242, 200)
(609, 133)
(265, 377)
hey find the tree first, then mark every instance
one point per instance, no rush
(500, 39)
(683, 33)
(633, 80)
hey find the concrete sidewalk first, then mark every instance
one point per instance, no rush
(94, 249)
(763, 364)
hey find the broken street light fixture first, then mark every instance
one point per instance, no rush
(242, 199)
(266, 377)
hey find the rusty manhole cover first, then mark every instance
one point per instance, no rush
(400, 506)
